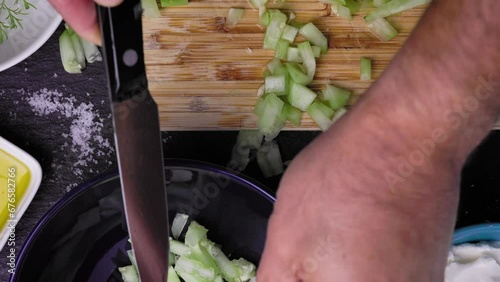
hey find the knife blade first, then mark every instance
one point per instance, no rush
(137, 137)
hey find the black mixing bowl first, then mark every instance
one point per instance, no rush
(83, 237)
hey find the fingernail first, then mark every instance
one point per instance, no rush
(109, 3)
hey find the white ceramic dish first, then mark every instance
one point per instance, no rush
(34, 183)
(39, 24)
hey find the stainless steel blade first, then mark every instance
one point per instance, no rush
(140, 158)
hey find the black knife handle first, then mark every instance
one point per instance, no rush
(121, 28)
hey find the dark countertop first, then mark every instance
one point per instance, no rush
(47, 138)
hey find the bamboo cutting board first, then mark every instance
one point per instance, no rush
(206, 78)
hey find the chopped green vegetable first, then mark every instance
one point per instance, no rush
(274, 29)
(316, 51)
(270, 116)
(341, 11)
(340, 113)
(172, 275)
(301, 97)
(269, 159)
(365, 69)
(311, 33)
(191, 269)
(378, 3)
(335, 97)
(150, 8)
(282, 49)
(353, 5)
(297, 74)
(129, 273)
(69, 57)
(289, 33)
(233, 17)
(393, 7)
(259, 107)
(179, 248)
(341, 2)
(258, 3)
(173, 3)
(77, 45)
(264, 16)
(195, 233)
(307, 55)
(273, 65)
(246, 269)
(382, 29)
(228, 270)
(276, 84)
(178, 224)
(251, 139)
(293, 114)
(240, 157)
(293, 55)
(327, 111)
(317, 114)
(201, 254)
(91, 52)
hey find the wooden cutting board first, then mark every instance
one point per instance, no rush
(206, 78)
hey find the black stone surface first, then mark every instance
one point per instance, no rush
(42, 137)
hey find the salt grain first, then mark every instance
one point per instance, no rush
(84, 134)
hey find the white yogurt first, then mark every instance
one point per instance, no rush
(474, 263)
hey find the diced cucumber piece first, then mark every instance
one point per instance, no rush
(195, 233)
(382, 29)
(297, 74)
(240, 157)
(178, 224)
(289, 33)
(228, 270)
(353, 5)
(365, 69)
(378, 3)
(341, 11)
(264, 17)
(293, 114)
(69, 57)
(150, 8)
(273, 65)
(274, 29)
(282, 49)
(172, 275)
(131, 257)
(91, 52)
(393, 7)
(293, 55)
(80, 55)
(234, 16)
(307, 55)
(129, 273)
(270, 117)
(276, 84)
(188, 269)
(171, 258)
(327, 111)
(281, 70)
(338, 114)
(335, 97)
(301, 97)
(201, 254)
(247, 269)
(269, 159)
(258, 3)
(173, 3)
(251, 139)
(259, 107)
(179, 248)
(316, 51)
(317, 114)
(311, 33)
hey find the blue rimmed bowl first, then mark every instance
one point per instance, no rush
(477, 233)
(83, 236)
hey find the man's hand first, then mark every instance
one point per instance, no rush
(375, 198)
(81, 15)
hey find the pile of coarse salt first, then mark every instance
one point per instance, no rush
(84, 135)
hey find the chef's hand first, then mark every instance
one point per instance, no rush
(81, 15)
(375, 198)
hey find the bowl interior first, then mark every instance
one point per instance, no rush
(83, 237)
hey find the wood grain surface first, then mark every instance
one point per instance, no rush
(206, 78)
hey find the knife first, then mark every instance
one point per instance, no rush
(137, 137)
